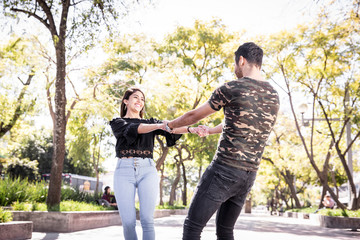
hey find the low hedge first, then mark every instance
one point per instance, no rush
(65, 206)
(5, 216)
(328, 212)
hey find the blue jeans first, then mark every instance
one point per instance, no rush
(222, 188)
(140, 173)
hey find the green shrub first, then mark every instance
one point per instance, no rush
(80, 206)
(39, 207)
(64, 206)
(5, 216)
(22, 168)
(167, 206)
(339, 213)
(303, 210)
(21, 206)
(20, 190)
(69, 193)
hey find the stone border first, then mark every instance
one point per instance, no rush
(16, 230)
(296, 215)
(335, 222)
(68, 221)
(77, 221)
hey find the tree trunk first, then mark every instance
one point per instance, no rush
(184, 192)
(54, 193)
(174, 185)
(291, 184)
(321, 205)
(161, 185)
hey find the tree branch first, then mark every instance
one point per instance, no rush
(43, 21)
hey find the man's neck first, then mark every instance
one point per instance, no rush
(253, 73)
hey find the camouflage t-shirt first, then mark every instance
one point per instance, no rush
(250, 109)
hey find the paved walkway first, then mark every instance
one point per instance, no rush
(248, 226)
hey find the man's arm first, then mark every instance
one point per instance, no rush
(192, 116)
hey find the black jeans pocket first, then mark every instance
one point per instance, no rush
(219, 188)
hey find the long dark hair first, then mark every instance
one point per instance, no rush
(105, 189)
(128, 93)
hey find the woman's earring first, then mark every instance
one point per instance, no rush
(125, 107)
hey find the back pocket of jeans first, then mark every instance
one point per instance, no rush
(219, 189)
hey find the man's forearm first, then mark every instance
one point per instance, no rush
(185, 120)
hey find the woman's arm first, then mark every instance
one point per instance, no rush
(217, 129)
(203, 130)
(146, 128)
(182, 130)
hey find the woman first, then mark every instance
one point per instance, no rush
(110, 199)
(135, 166)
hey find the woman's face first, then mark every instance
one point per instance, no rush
(136, 102)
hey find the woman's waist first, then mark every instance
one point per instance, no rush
(144, 153)
(134, 162)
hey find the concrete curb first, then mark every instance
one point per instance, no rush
(335, 222)
(16, 230)
(68, 221)
(63, 222)
(296, 215)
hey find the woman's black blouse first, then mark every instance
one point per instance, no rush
(129, 143)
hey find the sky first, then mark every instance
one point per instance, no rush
(256, 16)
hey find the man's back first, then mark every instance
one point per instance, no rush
(250, 108)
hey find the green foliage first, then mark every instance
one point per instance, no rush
(64, 206)
(39, 146)
(5, 216)
(18, 190)
(81, 206)
(21, 206)
(167, 206)
(339, 213)
(22, 168)
(303, 210)
(69, 193)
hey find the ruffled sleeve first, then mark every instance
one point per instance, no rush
(170, 138)
(123, 129)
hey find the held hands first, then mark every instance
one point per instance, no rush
(201, 130)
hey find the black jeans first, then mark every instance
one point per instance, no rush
(222, 188)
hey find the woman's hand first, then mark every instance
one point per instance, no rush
(201, 131)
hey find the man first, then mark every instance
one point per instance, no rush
(250, 107)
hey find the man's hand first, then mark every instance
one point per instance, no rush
(201, 131)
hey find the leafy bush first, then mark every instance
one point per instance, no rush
(22, 168)
(64, 206)
(17, 190)
(167, 206)
(303, 210)
(21, 206)
(69, 193)
(339, 213)
(5, 216)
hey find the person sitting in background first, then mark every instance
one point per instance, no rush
(328, 202)
(108, 199)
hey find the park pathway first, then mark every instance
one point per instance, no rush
(248, 226)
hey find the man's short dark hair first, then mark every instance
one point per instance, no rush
(251, 52)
